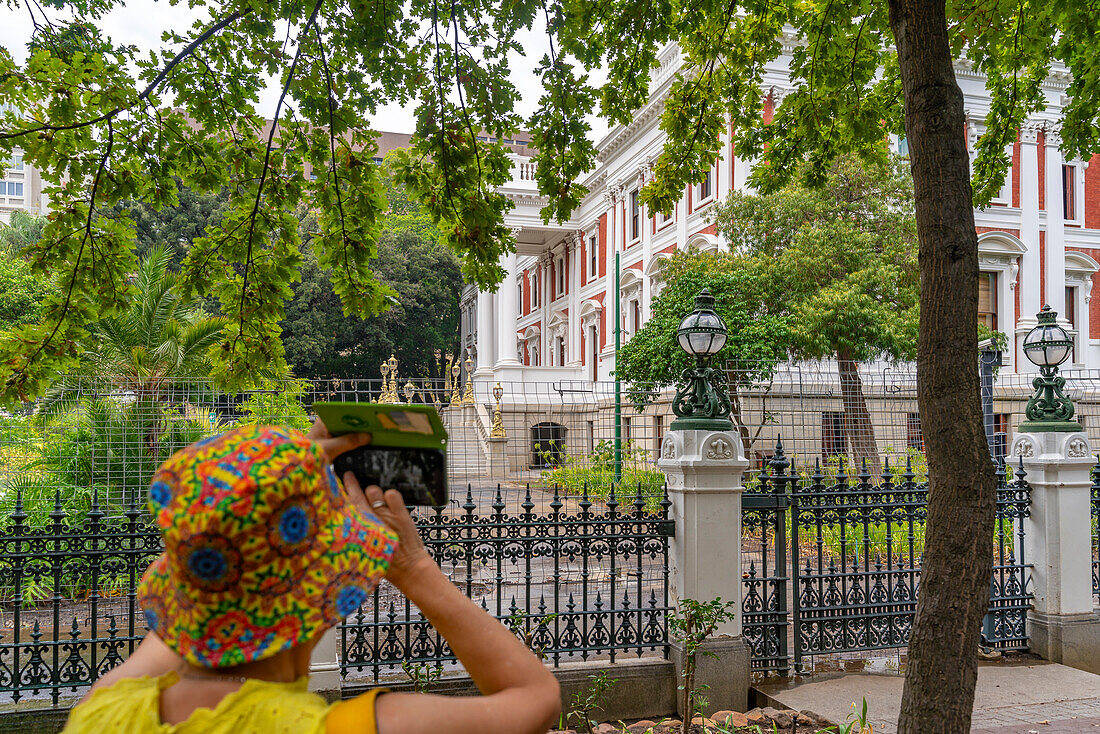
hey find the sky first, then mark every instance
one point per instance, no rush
(141, 23)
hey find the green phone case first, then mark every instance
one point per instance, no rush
(409, 426)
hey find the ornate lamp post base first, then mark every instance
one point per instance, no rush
(701, 424)
(1050, 427)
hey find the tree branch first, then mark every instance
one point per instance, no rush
(146, 93)
(266, 164)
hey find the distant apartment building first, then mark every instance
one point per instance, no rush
(21, 189)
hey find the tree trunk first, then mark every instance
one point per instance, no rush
(954, 583)
(857, 419)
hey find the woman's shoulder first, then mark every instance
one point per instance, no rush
(262, 706)
(128, 700)
(132, 705)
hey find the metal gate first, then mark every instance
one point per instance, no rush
(831, 562)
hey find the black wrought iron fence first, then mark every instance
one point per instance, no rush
(1094, 493)
(831, 562)
(576, 581)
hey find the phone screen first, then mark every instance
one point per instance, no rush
(420, 475)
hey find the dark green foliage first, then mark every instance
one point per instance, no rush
(174, 228)
(758, 336)
(840, 259)
(424, 278)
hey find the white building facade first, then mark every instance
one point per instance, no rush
(553, 316)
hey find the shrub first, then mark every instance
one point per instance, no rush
(595, 474)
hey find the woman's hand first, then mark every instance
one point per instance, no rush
(334, 446)
(389, 507)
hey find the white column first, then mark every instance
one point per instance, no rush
(545, 290)
(1062, 625)
(573, 339)
(647, 255)
(506, 313)
(484, 326)
(704, 470)
(1056, 226)
(1029, 233)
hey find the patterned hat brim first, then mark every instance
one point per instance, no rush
(235, 625)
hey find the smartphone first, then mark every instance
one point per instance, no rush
(420, 475)
(407, 452)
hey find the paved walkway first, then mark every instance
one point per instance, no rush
(1012, 698)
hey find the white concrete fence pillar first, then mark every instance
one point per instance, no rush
(704, 471)
(324, 667)
(1063, 625)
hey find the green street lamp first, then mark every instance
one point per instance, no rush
(699, 404)
(1047, 346)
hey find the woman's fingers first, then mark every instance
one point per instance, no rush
(396, 503)
(333, 447)
(374, 496)
(318, 431)
(355, 493)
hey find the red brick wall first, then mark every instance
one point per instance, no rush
(709, 229)
(1092, 194)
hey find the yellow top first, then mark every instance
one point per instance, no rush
(132, 706)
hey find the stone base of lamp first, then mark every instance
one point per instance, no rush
(1069, 639)
(723, 664)
(1050, 427)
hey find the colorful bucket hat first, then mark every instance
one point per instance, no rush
(262, 548)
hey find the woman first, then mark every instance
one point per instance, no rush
(263, 553)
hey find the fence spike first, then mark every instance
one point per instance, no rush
(1021, 472)
(18, 516)
(469, 507)
(58, 513)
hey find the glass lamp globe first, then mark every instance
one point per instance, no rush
(1048, 344)
(702, 333)
(498, 392)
